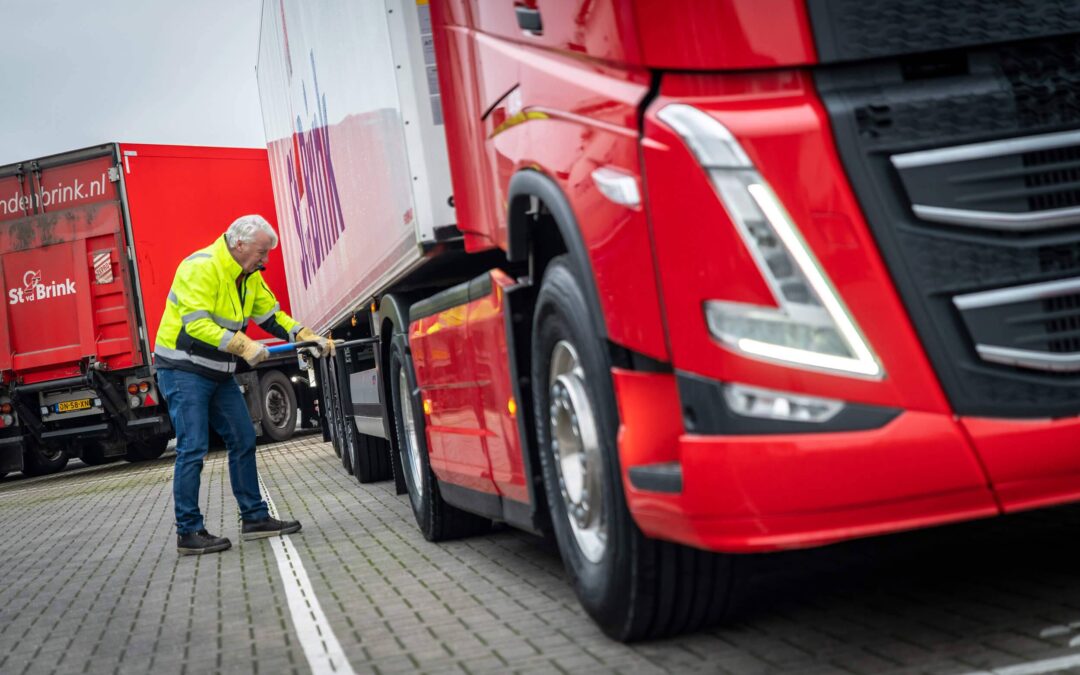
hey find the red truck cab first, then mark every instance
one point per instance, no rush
(718, 278)
(831, 249)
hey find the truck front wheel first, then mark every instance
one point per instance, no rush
(634, 587)
(438, 520)
(278, 405)
(40, 460)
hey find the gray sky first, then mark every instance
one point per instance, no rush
(75, 73)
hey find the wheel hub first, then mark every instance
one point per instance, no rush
(275, 406)
(576, 449)
(411, 441)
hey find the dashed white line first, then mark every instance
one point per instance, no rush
(321, 647)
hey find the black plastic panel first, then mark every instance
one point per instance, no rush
(850, 30)
(884, 108)
(705, 411)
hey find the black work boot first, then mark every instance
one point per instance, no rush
(270, 527)
(197, 543)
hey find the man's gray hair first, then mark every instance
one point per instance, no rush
(244, 229)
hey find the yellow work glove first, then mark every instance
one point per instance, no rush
(251, 351)
(326, 347)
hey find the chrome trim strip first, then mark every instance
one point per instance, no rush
(999, 220)
(1028, 359)
(963, 153)
(1008, 296)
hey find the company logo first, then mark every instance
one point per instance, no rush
(33, 290)
(31, 279)
(62, 193)
(313, 190)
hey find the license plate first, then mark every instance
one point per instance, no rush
(69, 406)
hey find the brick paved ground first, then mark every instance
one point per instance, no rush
(90, 582)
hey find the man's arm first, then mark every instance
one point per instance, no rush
(195, 294)
(266, 311)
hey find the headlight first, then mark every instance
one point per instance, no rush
(811, 327)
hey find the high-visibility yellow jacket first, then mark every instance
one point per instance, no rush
(211, 298)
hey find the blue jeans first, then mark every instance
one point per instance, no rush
(195, 403)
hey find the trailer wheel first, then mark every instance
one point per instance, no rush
(372, 457)
(144, 451)
(438, 520)
(278, 405)
(330, 399)
(348, 446)
(39, 460)
(634, 587)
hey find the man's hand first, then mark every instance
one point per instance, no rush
(326, 347)
(251, 351)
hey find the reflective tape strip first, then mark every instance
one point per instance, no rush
(219, 320)
(177, 355)
(226, 338)
(226, 323)
(195, 256)
(295, 329)
(193, 316)
(172, 298)
(272, 312)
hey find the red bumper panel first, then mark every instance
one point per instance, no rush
(752, 493)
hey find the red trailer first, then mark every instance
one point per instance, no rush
(89, 242)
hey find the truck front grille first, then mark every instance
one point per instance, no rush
(967, 167)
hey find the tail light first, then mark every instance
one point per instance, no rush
(810, 327)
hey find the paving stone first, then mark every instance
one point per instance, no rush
(115, 598)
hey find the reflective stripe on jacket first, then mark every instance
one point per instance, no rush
(207, 306)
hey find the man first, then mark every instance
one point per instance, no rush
(214, 294)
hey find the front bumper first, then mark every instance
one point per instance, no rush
(748, 493)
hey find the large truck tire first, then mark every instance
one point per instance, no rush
(40, 460)
(322, 401)
(372, 457)
(333, 408)
(438, 521)
(349, 448)
(365, 457)
(634, 587)
(144, 451)
(278, 400)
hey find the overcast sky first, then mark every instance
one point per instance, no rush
(75, 73)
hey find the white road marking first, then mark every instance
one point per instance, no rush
(1035, 667)
(321, 647)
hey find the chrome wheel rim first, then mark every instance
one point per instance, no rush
(412, 443)
(575, 446)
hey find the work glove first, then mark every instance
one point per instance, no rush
(326, 347)
(251, 351)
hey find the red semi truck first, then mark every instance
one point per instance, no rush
(89, 242)
(680, 280)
